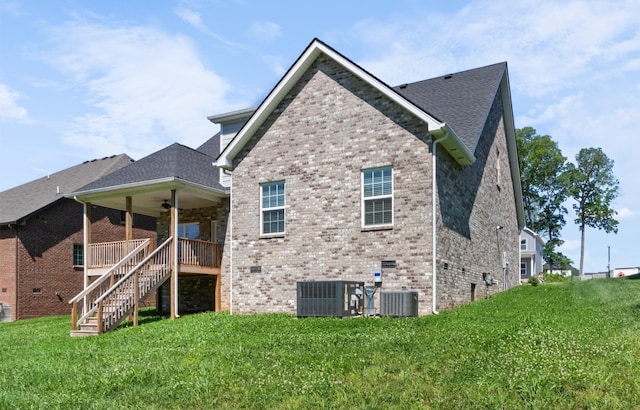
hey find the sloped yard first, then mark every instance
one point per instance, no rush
(571, 345)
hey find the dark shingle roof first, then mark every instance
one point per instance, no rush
(211, 146)
(174, 161)
(462, 100)
(24, 200)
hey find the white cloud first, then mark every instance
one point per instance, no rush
(549, 45)
(265, 31)
(624, 213)
(9, 108)
(195, 19)
(145, 88)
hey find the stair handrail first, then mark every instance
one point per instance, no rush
(133, 270)
(108, 273)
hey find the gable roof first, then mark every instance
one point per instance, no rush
(313, 51)
(529, 232)
(19, 203)
(455, 108)
(462, 99)
(176, 162)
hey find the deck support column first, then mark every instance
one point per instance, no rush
(173, 288)
(86, 253)
(128, 236)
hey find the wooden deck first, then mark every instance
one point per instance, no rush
(112, 263)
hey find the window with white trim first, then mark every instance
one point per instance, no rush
(189, 230)
(377, 197)
(272, 208)
(523, 244)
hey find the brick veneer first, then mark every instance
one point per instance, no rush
(330, 127)
(44, 256)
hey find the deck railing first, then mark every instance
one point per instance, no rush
(107, 254)
(195, 252)
(89, 295)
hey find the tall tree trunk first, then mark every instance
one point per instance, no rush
(581, 249)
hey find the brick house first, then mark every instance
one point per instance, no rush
(332, 174)
(336, 172)
(41, 237)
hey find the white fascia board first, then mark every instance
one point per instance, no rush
(140, 188)
(454, 146)
(231, 116)
(512, 147)
(225, 160)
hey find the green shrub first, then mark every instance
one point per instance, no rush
(534, 281)
(554, 277)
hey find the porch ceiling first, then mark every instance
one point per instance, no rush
(147, 198)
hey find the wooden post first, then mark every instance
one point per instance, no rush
(128, 235)
(174, 256)
(74, 315)
(136, 298)
(217, 294)
(99, 317)
(86, 254)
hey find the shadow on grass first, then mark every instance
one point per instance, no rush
(633, 277)
(145, 316)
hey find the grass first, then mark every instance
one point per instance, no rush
(567, 346)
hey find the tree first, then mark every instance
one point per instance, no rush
(593, 188)
(545, 188)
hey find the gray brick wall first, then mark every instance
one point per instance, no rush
(319, 138)
(473, 201)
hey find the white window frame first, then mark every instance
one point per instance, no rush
(363, 199)
(281, 207)
(525, 242)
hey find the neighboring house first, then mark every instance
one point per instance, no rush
(531, 247)
(41, 239)
(336, 174)
(333, 176)
(563, 271)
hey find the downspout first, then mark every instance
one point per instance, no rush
(231, 244)
(85, 250)
(434, 236)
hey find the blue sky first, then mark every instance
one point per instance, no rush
(86, 79)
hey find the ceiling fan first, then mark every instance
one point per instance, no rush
(166, 205)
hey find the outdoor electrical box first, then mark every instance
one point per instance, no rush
(329, 298)
(377, 277)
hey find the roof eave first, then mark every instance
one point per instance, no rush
(141, 187)
(454, 146)
(512, 147)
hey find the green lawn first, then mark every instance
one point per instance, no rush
(567, 346)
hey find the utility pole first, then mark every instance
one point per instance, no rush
(608, 261)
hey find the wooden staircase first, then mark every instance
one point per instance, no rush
(117, 293)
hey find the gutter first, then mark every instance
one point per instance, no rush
(434, 236)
